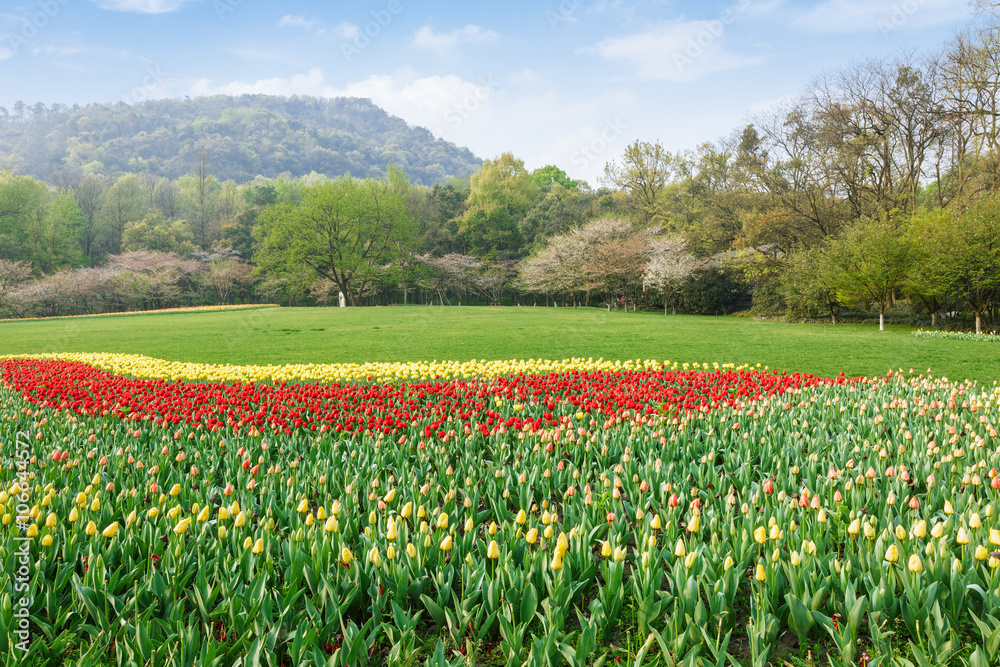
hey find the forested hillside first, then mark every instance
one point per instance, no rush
(239, 137)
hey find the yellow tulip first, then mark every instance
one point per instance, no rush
(900, 533)
(521, 518)
(222, 532)
(759, 573)
(962, 537)
(679, 549)
(175, 489)
(241, 520)
(247, 543)
(920, 529)
(407, 510)
(182, 526)
(346, 556)
(994, 536)
(258, 546)
(693, 526)
(760, 535)
(974, 521)
(547, 533)
(892, 553)
(656, 524)
(727, 564)
(411, 550)
(32, 530)
(606, 549)
(74, 515)
(91, 528)
(442, 521)
(914, 564)
(854, 528)
(390, 532)
(492, 530)
(153, 513)
(204, 514)
(493, 550)
(937, 530)
(47, 541)
(223, 514)
(532, 536)
(303, 506)
(446, 543)
(110, 531)
(948, 509)
(557, 560)
(50, 520)
(982, 553)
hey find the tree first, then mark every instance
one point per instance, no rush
(669, 268)
(155, 233)
(973, 266)
(872, 259)
(12, 276)
(450, 272)
(606, 256)
(22, 208)
(89, 194)
(123, 203)
(642, 174)
(499, 196)
(808, 284)
(928, 281)
(545, 177)
(344, 230)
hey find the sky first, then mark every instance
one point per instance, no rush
(554, 82)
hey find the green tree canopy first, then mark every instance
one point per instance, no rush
(345, 230)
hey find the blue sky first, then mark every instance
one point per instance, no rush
(555, 82)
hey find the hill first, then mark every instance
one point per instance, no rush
(240, 138)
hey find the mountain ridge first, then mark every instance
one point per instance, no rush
(240, 138)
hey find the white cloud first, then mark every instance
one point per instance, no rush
(143, 6)
(674, 51)
(443, 42)
(295, 21)
(526, 75)
(347, 30)
(5, 52)
(885, 16)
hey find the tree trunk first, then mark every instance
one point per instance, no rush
(979, 323)
(673, 309)
(934, 319)
(881, 317)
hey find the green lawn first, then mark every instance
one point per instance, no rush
(293, 335)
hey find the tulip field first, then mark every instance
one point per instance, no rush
(575, 512)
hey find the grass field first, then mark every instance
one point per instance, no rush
(323, 335)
